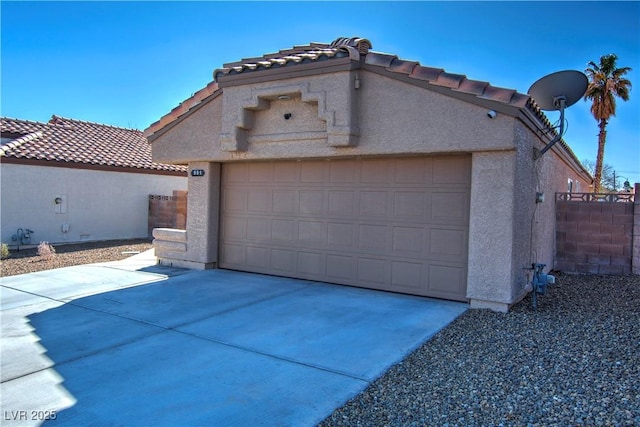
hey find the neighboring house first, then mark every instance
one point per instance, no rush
(335, 163)
(69, 180)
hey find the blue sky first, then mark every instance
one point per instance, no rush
(129, 63)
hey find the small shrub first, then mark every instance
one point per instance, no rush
(46, 252)
(5, 251)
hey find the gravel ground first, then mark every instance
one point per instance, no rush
(573, 362)
(28, 261)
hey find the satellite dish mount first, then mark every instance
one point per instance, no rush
(556, 92)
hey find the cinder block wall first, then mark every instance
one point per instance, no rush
(594, 237)
(168, 211)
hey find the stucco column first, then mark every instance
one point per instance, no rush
(491, 230)
(203, 209)
(197, 246)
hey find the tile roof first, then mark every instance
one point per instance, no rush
(79, 142)
(356, 48)
(314, 52)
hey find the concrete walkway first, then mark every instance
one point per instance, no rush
(132, 343)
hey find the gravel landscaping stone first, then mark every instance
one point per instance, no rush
(573, 362)
(28, 261)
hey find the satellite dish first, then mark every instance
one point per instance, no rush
(549, 90)
(555, 92)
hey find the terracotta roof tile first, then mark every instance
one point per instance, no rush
(342, 47)
(473, 87)
(403, 67)
(449, 80)
(379, 59)
(426, 73)
(498, 94)
(75, 141)
(297, 55)
(285, 58)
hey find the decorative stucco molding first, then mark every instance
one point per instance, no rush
(335, 106)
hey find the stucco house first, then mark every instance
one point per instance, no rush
(336, 163)
(69, 180)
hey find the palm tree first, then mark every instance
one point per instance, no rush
(606, 82)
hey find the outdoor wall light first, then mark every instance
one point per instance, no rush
(539, 197)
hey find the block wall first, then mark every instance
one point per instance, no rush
(168, 211)
(594, 237)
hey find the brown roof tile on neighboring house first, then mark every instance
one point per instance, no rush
(79, 143)
(342, 47)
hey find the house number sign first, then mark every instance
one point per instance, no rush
(197, 172)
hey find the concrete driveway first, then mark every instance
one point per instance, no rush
(114, 344)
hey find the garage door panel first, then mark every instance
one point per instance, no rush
(235, 201)
(373, 238)
(344, 172)
(260, 172)
(341, 203)
(447, 281)
(341, 268)
(452, 171)
(374, 204)
(311, 202)
(259, 201)
(407, 276)
(233, 255)
(449, 207)
(284, 231)
(413, 171)
(377, 171)
(340, 235)
(408, 241)
(392, 224)
(258, 230)
(235, 229)
(312, 233)
(257, 257)
(286, 172)
(409, 205)
(372, 272)
(237, 174)
(311, 263)
(284, 261)
(447, 244)
(284, 202)
(312, 172)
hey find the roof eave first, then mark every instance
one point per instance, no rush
(93, 166)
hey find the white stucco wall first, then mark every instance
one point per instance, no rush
(96, 205)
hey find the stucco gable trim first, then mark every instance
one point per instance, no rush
(182, 111)
(464, 91)
(339, 113)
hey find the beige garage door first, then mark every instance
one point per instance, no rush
(396, 224)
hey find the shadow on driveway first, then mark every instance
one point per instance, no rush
(212, 347)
